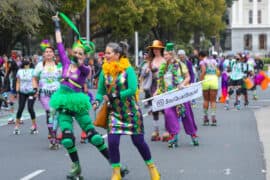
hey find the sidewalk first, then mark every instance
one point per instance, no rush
(263, 125)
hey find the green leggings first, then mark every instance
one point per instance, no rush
(66, 121)
(84, 121)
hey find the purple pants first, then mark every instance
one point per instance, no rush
(44, 100)
(138, 141)
(188, 120)
(172, 120)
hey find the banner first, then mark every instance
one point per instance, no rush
(174, 98)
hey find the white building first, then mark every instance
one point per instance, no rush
(250, 26)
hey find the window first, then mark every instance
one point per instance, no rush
(259, 17)
(262, 41)
(248, 42)
(250, 17)
(259, 0)
(250, 0)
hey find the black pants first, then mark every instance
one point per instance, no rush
(30, 104)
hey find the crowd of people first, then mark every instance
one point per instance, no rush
(62, 82)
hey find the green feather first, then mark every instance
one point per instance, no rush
(70, 23)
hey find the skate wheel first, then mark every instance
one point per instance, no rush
(172, 145)
(124, 171)
(195, 143)
(206, 124)
(16, 132)
(11, 122)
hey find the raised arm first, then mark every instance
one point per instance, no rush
(61, 49)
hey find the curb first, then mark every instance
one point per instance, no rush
(263, 127)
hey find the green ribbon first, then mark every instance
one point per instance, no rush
(89, 47)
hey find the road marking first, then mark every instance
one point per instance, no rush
(33, 174)
(254, 107)
(263, 100)
(227, 171)
(104, 136)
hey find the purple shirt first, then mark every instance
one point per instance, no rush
(72, 79)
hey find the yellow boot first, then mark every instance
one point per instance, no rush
(154, 174)
(116, 174)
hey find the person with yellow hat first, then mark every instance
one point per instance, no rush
(156, 59)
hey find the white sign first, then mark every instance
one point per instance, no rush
(176, 97)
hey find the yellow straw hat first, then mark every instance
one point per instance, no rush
(156, 44)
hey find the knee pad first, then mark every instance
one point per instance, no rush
(238, 91)
(95, 138)
(68, 139)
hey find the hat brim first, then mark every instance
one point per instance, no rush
(158, 47)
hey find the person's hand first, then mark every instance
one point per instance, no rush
(95, 105)
(106, 98)
(55, 17)
(180, 86)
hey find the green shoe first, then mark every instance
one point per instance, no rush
(75, 169)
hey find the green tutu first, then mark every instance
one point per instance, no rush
(67, 98)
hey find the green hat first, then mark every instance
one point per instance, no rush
(169, 46)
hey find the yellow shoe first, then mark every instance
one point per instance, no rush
(116, 174)
(154, 174)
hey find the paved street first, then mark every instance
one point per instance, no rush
(230, 151)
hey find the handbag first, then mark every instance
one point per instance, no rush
(102, 115)
(101, 118)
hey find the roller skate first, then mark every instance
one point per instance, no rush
(83, 138)
(75, 172)
(22, 120)
(166, 137)
(124, 171)
(227, 106)
(172, 143)
(214, 121)
(255, 97)
(238, 106)
(11, 120)
(54, 144)
(246, 103)
(33, 130)
(195, 140)
(205, 121)
(16, 131)
(155, 136)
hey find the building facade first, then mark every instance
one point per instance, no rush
(250, 26)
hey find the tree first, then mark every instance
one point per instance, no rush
(202, 18)
(20, 19)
